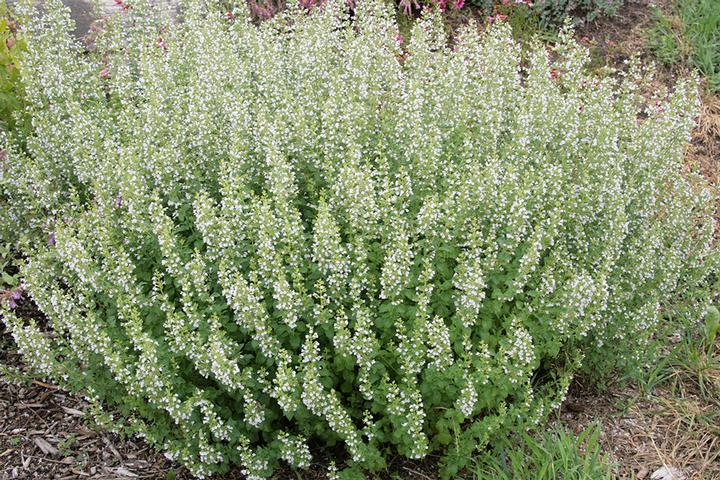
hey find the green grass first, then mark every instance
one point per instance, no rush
(695, 368)
(551, 455)
(690, 34)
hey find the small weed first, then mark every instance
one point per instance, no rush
(554, 454)
(666, 39)
(711, 327)
(66, 444)
(689, 34)
(695, 368)
(9, 263)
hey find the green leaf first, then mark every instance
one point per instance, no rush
(712, 325)
(10, 279)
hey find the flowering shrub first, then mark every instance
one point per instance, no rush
(256, 239)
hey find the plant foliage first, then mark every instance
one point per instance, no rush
(12, 45)
(690, 33)
(251, 239)
(556, 11)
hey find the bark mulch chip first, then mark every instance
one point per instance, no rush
(44, 435)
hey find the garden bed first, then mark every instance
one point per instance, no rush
(44, 433)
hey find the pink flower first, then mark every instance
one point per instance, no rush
(496, 18)
(399, 39)
(407, 5)
(263, 11)
(459, 4)
(161, 43)
(104, 73)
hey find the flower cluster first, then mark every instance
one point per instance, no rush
(252, 238)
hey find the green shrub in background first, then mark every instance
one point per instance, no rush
(254, 239)
(542, 14)
(14, 123)
(551, 13)
(554, 12)
(12, 45)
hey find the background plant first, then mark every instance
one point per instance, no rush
(12, 45)
(554, 12)
(550, 455)
(253, 239)
(12, 120)
(551, 13)
(690, 33)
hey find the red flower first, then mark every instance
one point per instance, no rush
(121, 3)
(554, 74)
(229, 15)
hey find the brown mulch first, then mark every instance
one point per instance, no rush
(44, 435)
(643, 433)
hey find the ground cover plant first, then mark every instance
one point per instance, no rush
(250, 239)
(549, 455)
(689, 33)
